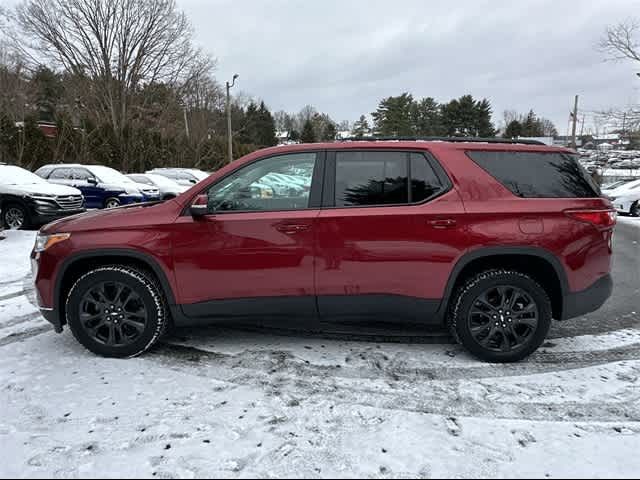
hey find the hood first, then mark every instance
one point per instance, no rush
(141, 215)
(39, 188)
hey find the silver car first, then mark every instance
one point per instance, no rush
(168, 188)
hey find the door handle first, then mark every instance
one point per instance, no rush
(292, 227)
(443, 223)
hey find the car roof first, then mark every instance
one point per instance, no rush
(441, 145)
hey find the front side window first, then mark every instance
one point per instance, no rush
(383, 178)
(81, 174)
(276, 183)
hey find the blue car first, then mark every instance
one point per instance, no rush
(102, 187)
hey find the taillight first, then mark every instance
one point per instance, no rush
(600, 218)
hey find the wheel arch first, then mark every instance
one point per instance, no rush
(77, 265)
(539, 263)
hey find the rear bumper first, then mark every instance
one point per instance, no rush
(589, 300)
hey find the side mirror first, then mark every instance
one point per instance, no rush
(193, 181)
(200, 206)
(92, 181)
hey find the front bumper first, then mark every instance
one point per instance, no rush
(127, 199)
(576, 304)
(42, 217)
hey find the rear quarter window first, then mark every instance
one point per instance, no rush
(538, 174)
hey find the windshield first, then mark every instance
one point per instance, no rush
(108, 175)
(199, 174)
(12, 175)
(161, 181)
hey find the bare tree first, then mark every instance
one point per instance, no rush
(620, 43)
(119, 46)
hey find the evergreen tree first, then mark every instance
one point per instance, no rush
(513, 130)
(330, 132)
(483, 125)
(426, 118)
(308, 134)
(266, 128)
(531, 126)
(467, 117)
(48, 91)
(361, 128)
(393, 116)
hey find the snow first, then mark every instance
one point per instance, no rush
(635, 221)
(237, 403)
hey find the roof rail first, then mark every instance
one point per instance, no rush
(441, 139)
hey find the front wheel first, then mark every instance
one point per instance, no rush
(112, 203)
(15, 216)
(117, 311)
(635, 209)
(501, 316)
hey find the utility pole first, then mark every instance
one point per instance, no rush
(186, 120)
(229, 132)
(574, 118)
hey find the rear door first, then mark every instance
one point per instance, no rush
(390, 227)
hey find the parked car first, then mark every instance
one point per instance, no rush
(28, 200)
(626, 198)
(610, 187)
(103, 187)
(168, 188)
(187, 177)
(492, 240)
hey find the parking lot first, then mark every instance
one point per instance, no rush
(240, 402)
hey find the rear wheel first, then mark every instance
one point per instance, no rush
(117, 311)
(501, 316)
(635, 209)
(15, 216)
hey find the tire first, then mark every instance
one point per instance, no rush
(111, 203)
(15, 216)
(479, 321)
(635, 209)
(111, 325)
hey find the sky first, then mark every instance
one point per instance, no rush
(344, 56)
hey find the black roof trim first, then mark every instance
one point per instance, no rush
(442, 139)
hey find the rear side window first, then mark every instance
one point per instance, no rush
(538, 175)
(369, 178)
(61, 174)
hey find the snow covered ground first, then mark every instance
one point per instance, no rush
(236, 404)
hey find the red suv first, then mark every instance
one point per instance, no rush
(492, 239)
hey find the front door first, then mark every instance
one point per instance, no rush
(253, 254)
(87, 183)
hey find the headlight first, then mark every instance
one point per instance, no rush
(132, 191)
(43, 242)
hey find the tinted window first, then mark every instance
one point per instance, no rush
(538, 175)
(371, 178)
(61, 174)
(424, 181)
(276, 183)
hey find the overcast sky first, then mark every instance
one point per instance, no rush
(344, 56)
